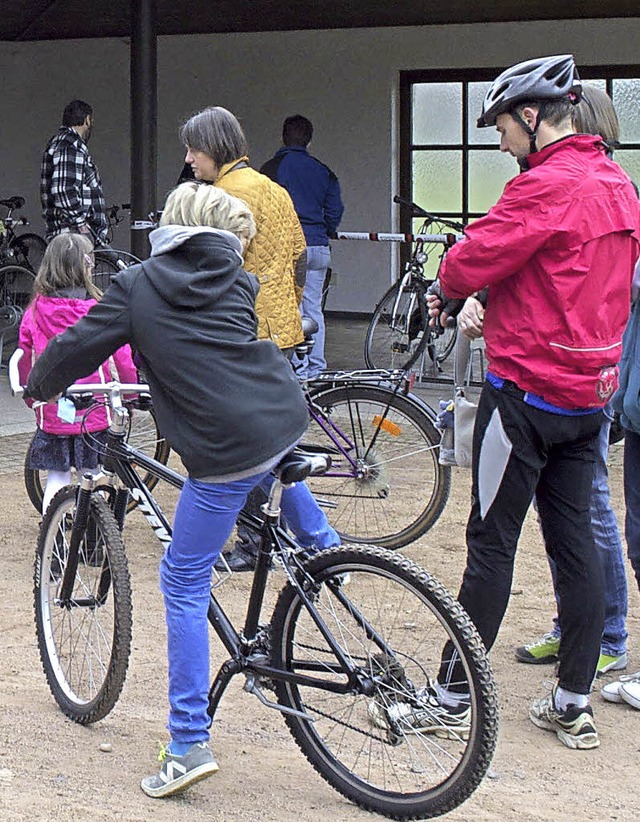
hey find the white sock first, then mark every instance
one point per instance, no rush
(55, 481)
(563, 698)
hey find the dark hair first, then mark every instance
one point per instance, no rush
(553, 112)
(216, 132)
(76, 112)
(297, 131)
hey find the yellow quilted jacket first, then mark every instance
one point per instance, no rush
(276, 255)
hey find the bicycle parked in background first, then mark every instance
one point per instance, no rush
(108, 260)
(399, 332)
(20, 258)
(351, 648)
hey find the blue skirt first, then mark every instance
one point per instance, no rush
(55, 452)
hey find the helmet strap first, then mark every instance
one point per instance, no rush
(532, 132)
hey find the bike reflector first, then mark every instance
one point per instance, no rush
(386, 425)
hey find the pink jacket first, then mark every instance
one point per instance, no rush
(44, 319)
(557, 252)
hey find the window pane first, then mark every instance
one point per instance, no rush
(436, 113)
(479, 136)
(629, 159)
(488, 173)
(626, 98)
(437, 180)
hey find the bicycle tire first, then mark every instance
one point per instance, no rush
(399, 329)
(16, 290)
(388, 766)
(105, 269)
(29, 250)
(84, 648)
(144, 435)
(397, 489)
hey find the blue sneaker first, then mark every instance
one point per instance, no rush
(180, 772)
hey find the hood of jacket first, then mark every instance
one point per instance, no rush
(191, 267)
(53, 315)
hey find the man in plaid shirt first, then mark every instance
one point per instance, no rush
(70, 186)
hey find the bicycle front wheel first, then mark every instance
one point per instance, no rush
(377, 735)
(399, 329)
(84, 642)
(385, 485)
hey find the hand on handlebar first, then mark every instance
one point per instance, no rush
(442, 309)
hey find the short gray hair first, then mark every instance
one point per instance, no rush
(196, 204)
(216, 132)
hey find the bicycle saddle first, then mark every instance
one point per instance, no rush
(296, 467)
(13, 202)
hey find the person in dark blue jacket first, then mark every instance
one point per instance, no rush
(315, 192)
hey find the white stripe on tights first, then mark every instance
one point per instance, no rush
(495, 450)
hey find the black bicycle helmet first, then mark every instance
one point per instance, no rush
(545, 78)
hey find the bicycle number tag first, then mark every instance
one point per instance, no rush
(66, 410)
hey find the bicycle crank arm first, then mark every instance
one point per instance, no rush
(251, 688)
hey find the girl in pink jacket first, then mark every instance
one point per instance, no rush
(63, 293)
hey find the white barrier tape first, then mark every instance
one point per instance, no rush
(139, 225)
(445, 239)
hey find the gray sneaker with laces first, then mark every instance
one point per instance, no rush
(425, 714)
(180, 772)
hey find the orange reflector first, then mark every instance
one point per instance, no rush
(387, 425)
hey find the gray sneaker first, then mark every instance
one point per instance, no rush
(180, 772)
(425, 715)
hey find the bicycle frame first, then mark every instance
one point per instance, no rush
(247, 654)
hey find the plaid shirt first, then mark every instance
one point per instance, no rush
(70, 187)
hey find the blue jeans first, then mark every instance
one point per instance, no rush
(318, 259)
(606, 536)
(205, 516)
(632, 499)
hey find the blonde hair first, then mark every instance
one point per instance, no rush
(595, 114)
(64, 265)
(196, 204)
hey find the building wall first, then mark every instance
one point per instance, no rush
(345, 81)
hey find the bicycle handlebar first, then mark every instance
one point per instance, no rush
(113, 389)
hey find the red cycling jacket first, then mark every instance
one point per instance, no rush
(558, 251)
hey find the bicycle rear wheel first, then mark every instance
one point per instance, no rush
(382, 742)
(388, 487)
(29, 250)
(144, 435)
(399, 328)
(85, 643)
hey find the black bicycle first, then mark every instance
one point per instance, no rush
(399, 332)
(24, 249)
(109, 261)
(350, 650)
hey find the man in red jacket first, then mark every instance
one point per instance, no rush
(557, 252)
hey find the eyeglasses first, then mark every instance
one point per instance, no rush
(89, 261)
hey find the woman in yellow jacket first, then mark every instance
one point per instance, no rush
(217, 153)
